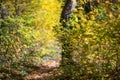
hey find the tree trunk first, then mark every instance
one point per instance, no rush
(66, 14)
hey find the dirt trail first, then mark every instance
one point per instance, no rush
(45, 71)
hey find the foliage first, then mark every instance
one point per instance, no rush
(30, 32)
(26, 34)
(93, 42)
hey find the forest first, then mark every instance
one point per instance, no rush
(59, 39)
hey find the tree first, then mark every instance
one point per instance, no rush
(67, 12)
(92, 43)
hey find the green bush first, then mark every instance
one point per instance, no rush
(92, 45)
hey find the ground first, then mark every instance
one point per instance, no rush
(45, 71)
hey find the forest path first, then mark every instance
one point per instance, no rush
(45, 71)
